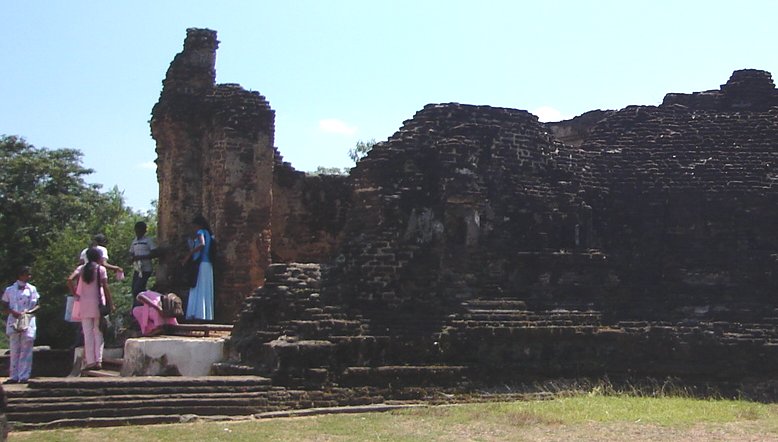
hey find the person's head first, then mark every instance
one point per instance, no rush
(24, 273)
(100, 240)
(93, 257)
(200, 222)
(93, 254)
(140, 229)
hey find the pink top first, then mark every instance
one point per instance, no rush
(90, 294)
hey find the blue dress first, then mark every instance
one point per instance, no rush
(199, 305)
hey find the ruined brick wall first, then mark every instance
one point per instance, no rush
(573, 132)
(691, 204)
(442, 210)
(746, 90)
(215, 158)
(476, 239)
(308, 214)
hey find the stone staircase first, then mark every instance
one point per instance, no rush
(110, 401)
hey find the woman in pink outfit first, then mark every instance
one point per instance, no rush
(91, 291)
(149, 314)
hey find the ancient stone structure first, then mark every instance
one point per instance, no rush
(478, 243)
(215, 157)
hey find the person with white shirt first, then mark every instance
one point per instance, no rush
(100, 242)
(20, 298)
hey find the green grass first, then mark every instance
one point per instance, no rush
(576, 416)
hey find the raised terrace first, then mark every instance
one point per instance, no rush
(478, 245)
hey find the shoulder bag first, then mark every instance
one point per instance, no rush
(22, 322)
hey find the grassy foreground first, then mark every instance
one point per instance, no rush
(584, 417)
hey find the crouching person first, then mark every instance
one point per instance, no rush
(155, 311)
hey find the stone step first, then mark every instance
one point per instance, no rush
(115, 421)
(136, 402)
(113, 362)
(139, 384)
(100, 373)
(204, 330)
(405, 376)
(205, 409)
(76, 391)
(67, 401)
(495, 304)
(521, 316)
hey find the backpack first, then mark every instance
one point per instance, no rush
(172, 307)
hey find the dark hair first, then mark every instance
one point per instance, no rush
(100, 239)
(23, 270)
(93, 256)
(141, 225)
(199, 220)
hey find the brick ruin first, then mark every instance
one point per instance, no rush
(478, 243)
(215, 157)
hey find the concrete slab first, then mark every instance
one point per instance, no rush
(172, 356)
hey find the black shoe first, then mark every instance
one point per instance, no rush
(22, 381)
(11, 381)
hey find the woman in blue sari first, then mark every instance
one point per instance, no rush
(199, 305)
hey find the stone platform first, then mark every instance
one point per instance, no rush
(172, 355)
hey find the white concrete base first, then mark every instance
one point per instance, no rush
(171, 356)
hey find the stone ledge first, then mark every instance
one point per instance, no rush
(172, 356)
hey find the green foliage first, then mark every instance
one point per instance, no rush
(48, 214)
(361, 150)
(41, 192)
(321, 170)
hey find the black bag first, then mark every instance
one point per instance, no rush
(189, 272)
(104, 310)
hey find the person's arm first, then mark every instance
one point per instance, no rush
(144, 299)
(6, 304)
(109, 266)
(37, 304)
(200, 245)
(71, 282)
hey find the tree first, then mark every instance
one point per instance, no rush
(48, 214)
(361, 150)
(41, 192)
(321, 170)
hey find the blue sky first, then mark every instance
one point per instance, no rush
(85, 74)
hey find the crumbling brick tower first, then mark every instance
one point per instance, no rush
(215, 157)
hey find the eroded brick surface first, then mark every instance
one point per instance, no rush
(479, 243)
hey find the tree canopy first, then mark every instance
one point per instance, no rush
(48, 214)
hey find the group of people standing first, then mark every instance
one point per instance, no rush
(88, 284)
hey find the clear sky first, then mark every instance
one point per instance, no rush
(85, 74)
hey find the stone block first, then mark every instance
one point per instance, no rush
(172, 356)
